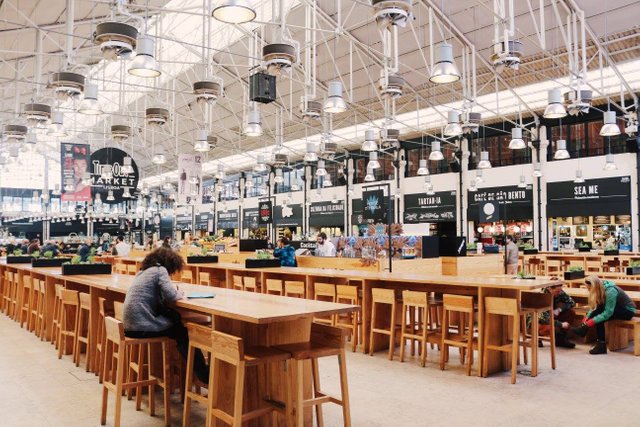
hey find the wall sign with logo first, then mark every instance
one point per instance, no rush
(287, 216)
(358, 214)
(326, 214)
(500, 203)
(183, 222)
(605, 196)
(265, 214)
(75, 162)
(228, 219)
(250, 218)
(203, 220)
(374, 205)
(112, 160)
(421, 208)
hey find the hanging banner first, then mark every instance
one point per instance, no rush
(74, 164)
(500, 203)
(228, 220)
(326, 214)
(111, 160)
(189, 179)
(606, 196)
(250, 218)
(422, 208)
(265, 214)
(374, 206)
(287, 216)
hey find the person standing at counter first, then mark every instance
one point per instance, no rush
(607, 302)
(122, 248)
(325, 247)
(511, 256)
(286, 253)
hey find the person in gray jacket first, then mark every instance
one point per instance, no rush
(148, 306)
(511, 255)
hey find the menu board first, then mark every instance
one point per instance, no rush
(265, 212)
(358, 216)
(421, 208)
(250, 218)
(183, 222)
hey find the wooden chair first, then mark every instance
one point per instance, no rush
(115, 374)
(464, 338)
(204, 279)
(101, 338)
(294, 289)
(249, 284)
(24, 299)
(231, 350)
(69, 308)
(7, 291)
(118, 310)
(274, 287)
(237, 283)
(83, 329)
(532, 304)
(57, 313)
(36, 295)
(495, 306)
(324, 292)
(14, 292)
(348, 295)
(553, 266)
(199, 338)
(186, 276)
(132, 269)
(326, 341)
(380, 298)
(41, 324)
(415, 323)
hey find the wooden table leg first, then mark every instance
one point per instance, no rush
(366, 315)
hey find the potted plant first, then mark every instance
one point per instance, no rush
(528, 249)
(263, 259)
(522, 275)
(634, 268)
(611, 250)
(77, 266)
(48, 260)
(574, 272)
(203, 258)
(584, 248)
(19, 258)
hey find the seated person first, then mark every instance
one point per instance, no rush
(324, 246)
(84, 250)
(34, 246)
(50, 246)
(286, 253)
(148, 306)
(563, 314)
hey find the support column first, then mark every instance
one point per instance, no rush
(541, 185)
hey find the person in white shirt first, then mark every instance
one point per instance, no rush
(122, 248)
(325, 247)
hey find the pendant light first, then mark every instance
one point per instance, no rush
(444, 70)
(234, 12)
(537, 170)
(479, 178)
(56, 128)
(436, 154)
(484, 162)
(423, 169)
(202, 143)
(320, 170)
(159, 158)
(106, 172)
(561, 150)
(253, 126)
(473, 188)
(90, 104)
(370, 141)
(127, 167)
(248, 182)
(126, 193)
(220, 174)
(369, 177)
(311, 155)
(610, 164)
(144, 64)
(326, 181)
(428, 186)
(579, 178)
(517, 143)
(555, 109)
(278, 179)
(260, 166)
(523, 182)
(453, 127)
(610, 127)
(373, 160)
(335, 102)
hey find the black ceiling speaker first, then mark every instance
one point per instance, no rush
(262, 88)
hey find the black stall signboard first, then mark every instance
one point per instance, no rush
(605, 196)
(265, 212)
(202, 221)
(183, 222)
(500, 203)
(228, 220)
(287, 216)
(374, 206)
(422, 208)
(358, 216)
(326, 214)
(250, 218)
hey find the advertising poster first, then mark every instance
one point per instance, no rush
(74, 164)
(112, 159)
(189, 179)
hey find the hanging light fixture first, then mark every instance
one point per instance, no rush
(320, 170)
(561, 150)
(126, 193)
(220, 174)
(326, 181)
(201, 144)
(106, 172)
(373, 160)
(253, 127)
(98, 198)
(555, 109)
(248, 182)
(369, 177)
(436, 154)
(144, 64)
(610, 164)
(159, 158)
(423, 169)
(56, 128)
(370, 141)
(278, 178)
(610, 127)
(537, 170)
(311, 155)
(234, 12)
(484, 162)
(427, 183)
(523, 182)
(479, 178)
(90, 104)
(444, 70)
(579, 179)
(127, 166)
(260, 166)
(453, 127)
(335, 102)
(517, 143)
(473, 188)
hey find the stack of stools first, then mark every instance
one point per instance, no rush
(465, 337)
(69, 311)
(346, 294)
(381, 298)
(416, 325)
(294, 289)
(82, 329)
(532, 304)
(502, 307)
(324, 292)
(274, 287)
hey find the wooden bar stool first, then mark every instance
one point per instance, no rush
(237, 283)
(325, 292)
(69, 308)
(379, 298)
(34, 301)
(7, 287)
(464, 338)
(532, 304)
(101, 338)
(57, 313)
(204, 279)
(118, 310)
(325, 341)
(415, 308)
(41, 323)
(274, 287)
(186, 276)
(294, 289)
(14, 292)
(83, 329)
(121, 268)
(249, 284)
(115, 374)
(132, 269)
(199, 338)
(26, 291)
(232, 351)
(348, 295)
(495, 306)
(535, 266)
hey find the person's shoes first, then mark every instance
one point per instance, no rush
(540, 345)
(564, 342)
(580, 331)
(599, 348)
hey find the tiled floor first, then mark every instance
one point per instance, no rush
(37, 389)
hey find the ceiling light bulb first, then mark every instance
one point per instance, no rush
(423, 169)
(555, 109)
(320, 170)
(517, 143)
(253, 126)
(90, 104)
(370, 141)
(144, 64)
(278, 179)
(373, 160)
(234, 12)
(579, 178)
(436, 154)
(484, 162)
(610, 164)
(335, 102)
(311, 155)
(369, 177)
(453, 127)
(561, 150)
(537, 170)
(610, 127)
(444, 70)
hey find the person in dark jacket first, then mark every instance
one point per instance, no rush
(563, 316)
(607, 302)
(85, 250)
(34, 246)
(286, 253)
(50, 246)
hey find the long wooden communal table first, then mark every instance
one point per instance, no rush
(259, 319)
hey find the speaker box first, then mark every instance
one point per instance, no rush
(453, 246)
(262, 88)
(430, 247)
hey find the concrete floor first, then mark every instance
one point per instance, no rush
(37, 389)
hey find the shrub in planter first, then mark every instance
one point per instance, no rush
(634, 268)
(574, 273)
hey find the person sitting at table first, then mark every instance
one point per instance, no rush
(34, 246)
(563, 314)
(286, 253)
(324, 246)
(511, 256)
(85, 249)
(607, 302)
(149, 306)
(50, 246)
(122, 248)
(166, 243)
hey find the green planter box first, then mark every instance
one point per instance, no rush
(572, 275)
(19, 259)
(48, 262)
